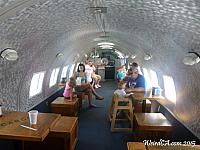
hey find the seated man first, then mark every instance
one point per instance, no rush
(135, 82)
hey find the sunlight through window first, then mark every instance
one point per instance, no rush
(154, 78)
(54, 76)
(64, 72)
(77, 66)
(147, 78)
(170, 90)
(139, 70)
(36, 83)
(71, 70)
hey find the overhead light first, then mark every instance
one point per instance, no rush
(106, 46)
(133, 56)
(147, 56)
(86, 55)
(105, 43)
(119, 54)
(76, 57)
(97, 10)
(59, 55)
(9, 54)
(127, 56)
(191, 59)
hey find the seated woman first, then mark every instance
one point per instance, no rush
(84, 86)
(68, 92)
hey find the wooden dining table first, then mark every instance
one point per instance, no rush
(11, 121)
(140, 96)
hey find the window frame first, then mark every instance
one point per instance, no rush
(55, 77)
(71, 71)
(38, 84)
(169, 90)
(67, 66)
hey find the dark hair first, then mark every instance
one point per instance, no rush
(72, 81)
(78, 70)
(120, 84)
(134, 64)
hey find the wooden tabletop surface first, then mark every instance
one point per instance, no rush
(61, 101)
(66, 126)
(10, 126)
(138, 95)
(153, 121)
(136, 146)
(141, 96)
(154, 98)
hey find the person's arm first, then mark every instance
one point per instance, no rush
(75, 75)
(139, 89)
(71, 93)
(129, 94)
(94, 68)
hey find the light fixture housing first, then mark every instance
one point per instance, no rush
(133, 56)
(106, 43)
(126, 56)
(106, 46)
(9, 54)
(59, 55)
(191, 59)
(147, 56)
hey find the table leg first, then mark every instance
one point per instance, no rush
(143, 106)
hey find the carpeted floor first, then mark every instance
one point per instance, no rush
(94, 129)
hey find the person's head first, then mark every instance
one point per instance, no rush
(119, 68)
(134, 65)
(133, 71)
(121, 85)
(90, 63)
(81, 68)
(72, 82)
(124, 67)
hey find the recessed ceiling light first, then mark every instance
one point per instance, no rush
(105, 43)
(9, 54)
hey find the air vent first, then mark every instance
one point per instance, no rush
(97, 10)
(104, 35)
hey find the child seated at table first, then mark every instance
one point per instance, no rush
(68, 92)
(121, 90)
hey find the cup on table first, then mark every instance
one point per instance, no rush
(33, 117)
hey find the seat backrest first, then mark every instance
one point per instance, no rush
(116, 98)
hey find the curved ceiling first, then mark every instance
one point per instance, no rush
(40, 29)
(137, 25)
